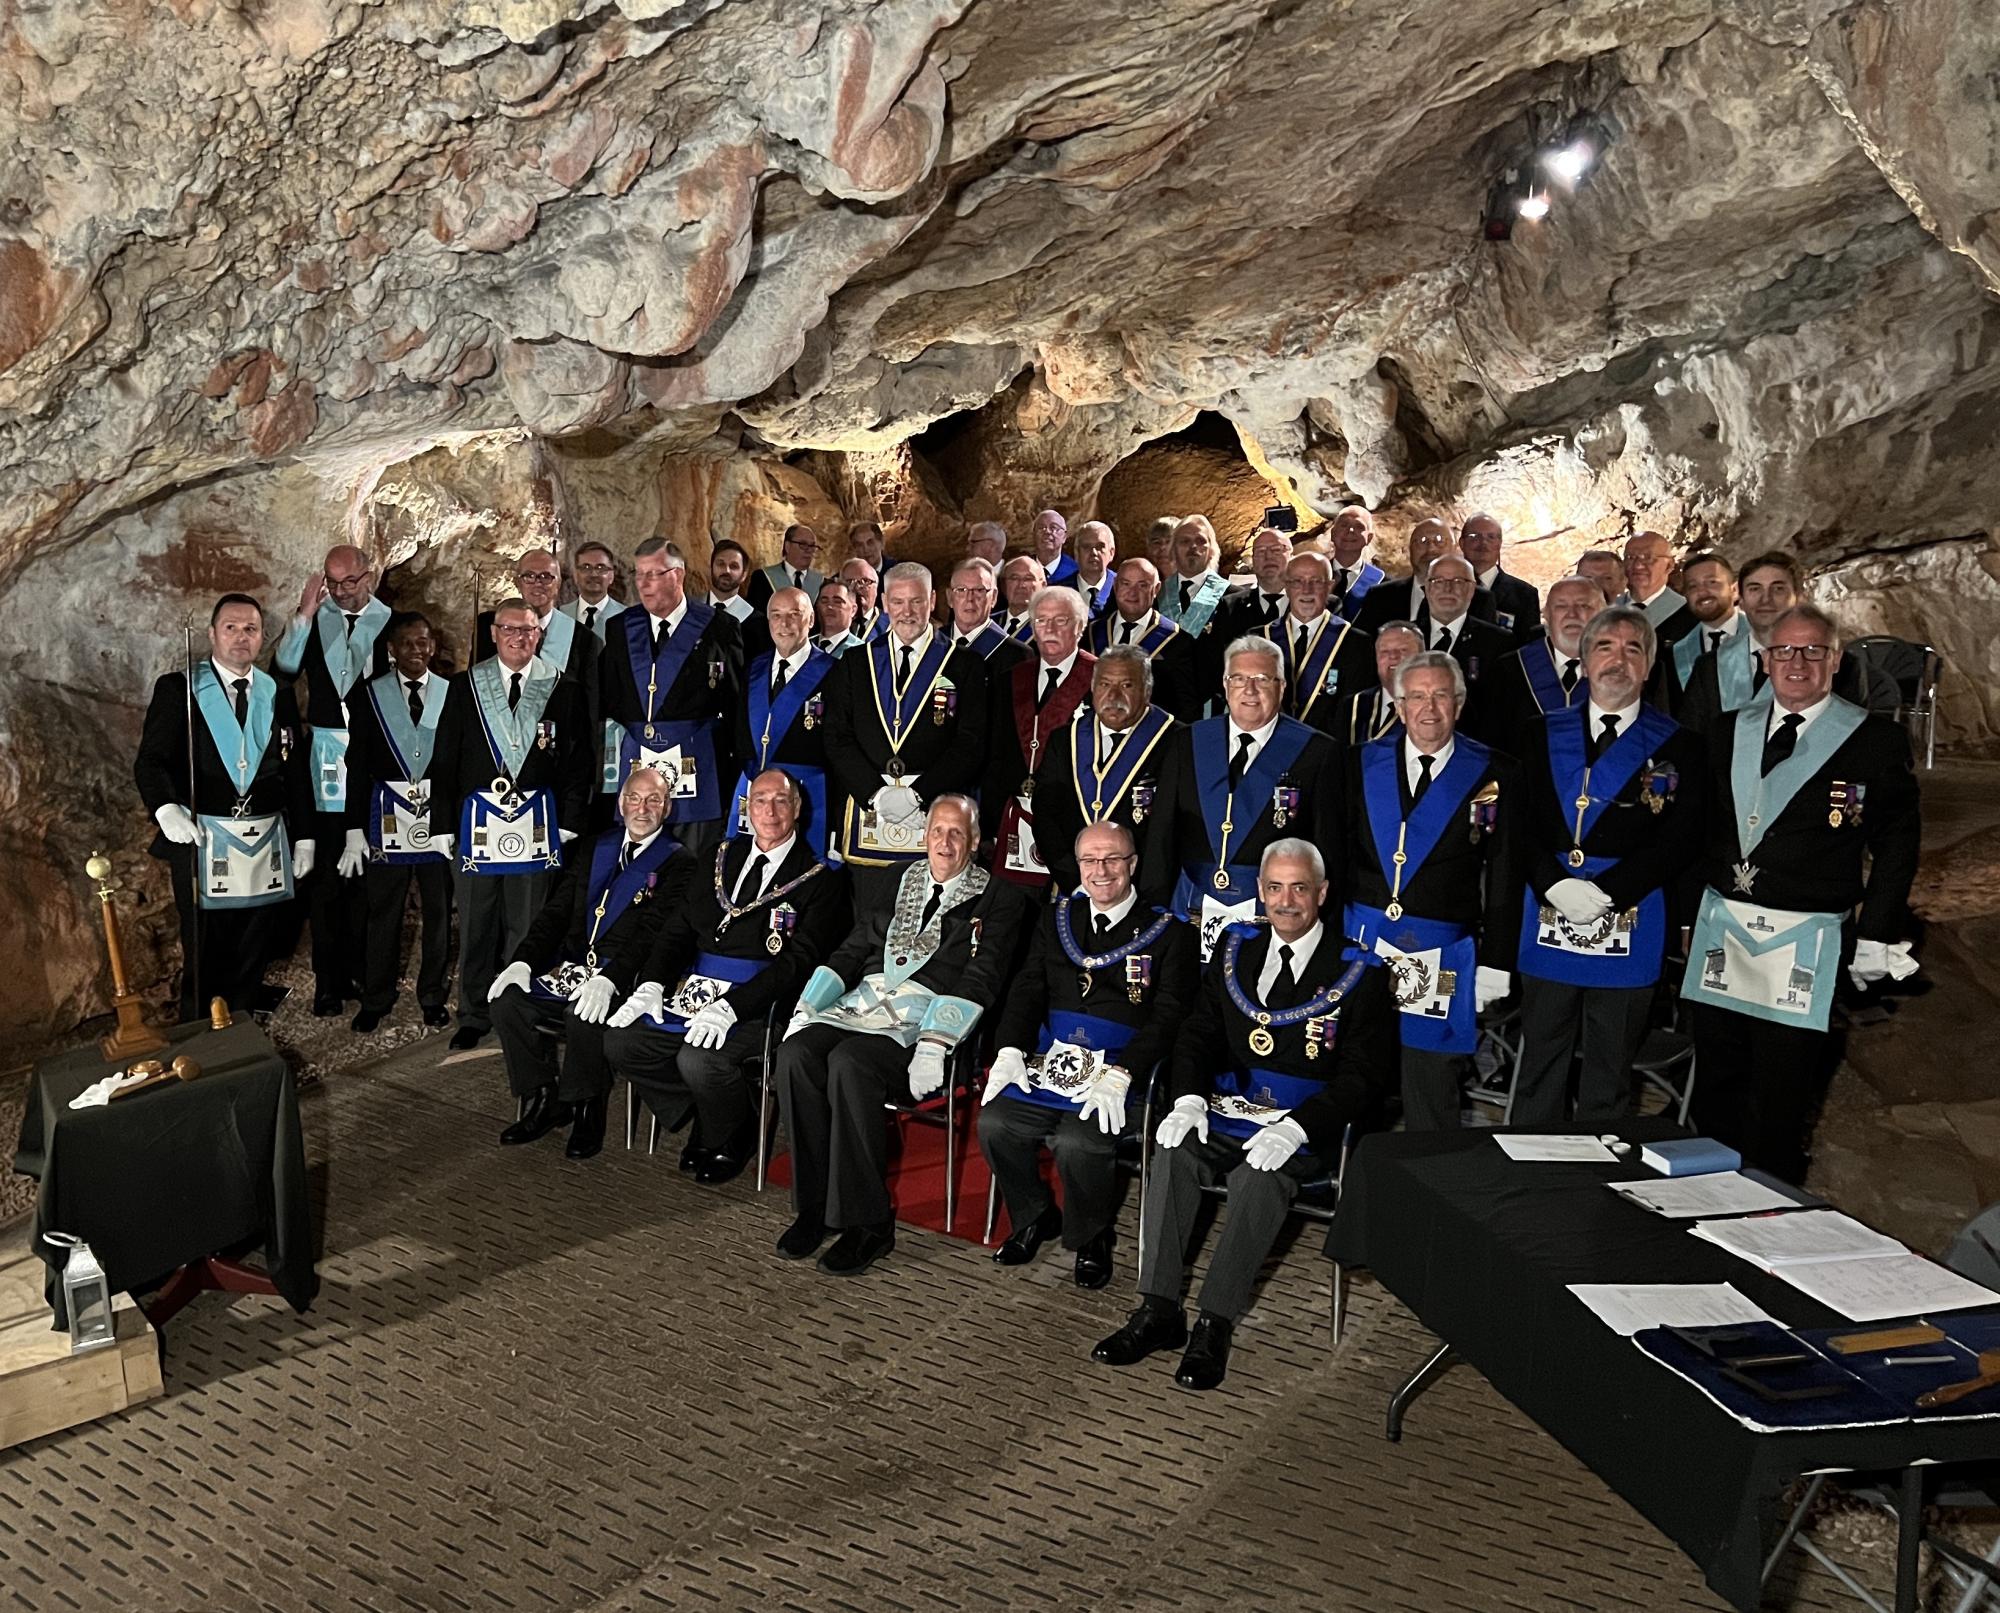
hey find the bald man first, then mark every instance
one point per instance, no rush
(538, 580)
(1404, 600)
(1516, 605)
(337, 641)
(1649, 566)
(1095, 546)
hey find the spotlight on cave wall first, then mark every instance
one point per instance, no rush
(1561, 164)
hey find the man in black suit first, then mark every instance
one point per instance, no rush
(1811, 851)
(795, 568)
(511, 784)
(1545, 676)
(1134, 620)
(782, 721)
(1288, 1046)
(1349, 540)
(971, 599)
(1649, 564)
(1253, 606)
(1370, 713)
(338, 638)
(1107, 982)
(565, 645)
(1325, 656)
(1402, 600)
(1095, 546)
(1479, 647)
(672, 677)
(581, 954)
(1021, 578)
(1434, 879)
(230, 826)
(1026, 713)
(733, 950)
(884, 1015)
(1596, 920)
(1517, 608)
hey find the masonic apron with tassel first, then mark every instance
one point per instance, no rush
(1243, 1105)
(399, 822)
(504, 829)
(613, 891)
(1075, 1048)
(684, 752)
(242, 859)
(1017, 858)
(802, 701)
(891, 1002)
(870, 836)
(713, 973)
(1220, 892)
(347, 657)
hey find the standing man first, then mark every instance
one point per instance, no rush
(1160, 545)
(1290, 1043)
(733, 950)
(1231, 786)
(865, 542)
(1191, 600)
(1354, 570)
(511, 779)
(833, 611)
(1325, 657)
(336, 641)
(870, 621)
(1133, 623)
(1479, 647)
(1252, 607)
(1606, 569)
(1096, 547)
(973, 627)
(1106, 985)
(1732, 670)
(728, 566)
(1371, 713)
(672, 678)
(1050, 536)
(1810, 855)
(884, 1016)
(1028, 710)
(1430, 541)
(1617, 795)
(1649, 564)
(596, 570)
(226, 832)
(1710, 581)
(986, 540)
(1545, 676)
(388, 840)
(1020, 579)
(794, 568)
(782, 720)
(1516, 607)
(1105, 766)
(572, 652)
(581, 955)
(1434, 879)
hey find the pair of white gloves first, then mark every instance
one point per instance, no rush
(354, 851)
(1267, 1151)
(1103, 1099)
(707, 1026)
(591, 1003)
(178, 825)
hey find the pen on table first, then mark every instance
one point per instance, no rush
(1918, 1360)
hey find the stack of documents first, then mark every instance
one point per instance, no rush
(1844, 1265)
(1685, 1197)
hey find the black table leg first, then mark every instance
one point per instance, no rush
(1420, 1380)
(1909, 1535)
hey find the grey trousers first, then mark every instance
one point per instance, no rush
(1011, 1134)
(494, 912)
(1434, 1089)
(832, 1085)
(1251, 1221)
(1613, 1024)
(719, 1084)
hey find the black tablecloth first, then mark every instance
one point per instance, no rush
(1481, 1248)
(179, 1172)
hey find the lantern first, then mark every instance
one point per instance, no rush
(86, 1294)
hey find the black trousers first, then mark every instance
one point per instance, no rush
(1012, 1132)
(1612, 1021)
(1258, 1204)
(236, 943)
(719, 1085)
(387, 889)
(832, 1085)
(494, 912)
(338, 911)
(1434, 1089)
(528, 1028)
(1758, 1086)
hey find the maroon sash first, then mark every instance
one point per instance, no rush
(1036, 730)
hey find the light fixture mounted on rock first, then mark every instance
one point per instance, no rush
(1562, 163)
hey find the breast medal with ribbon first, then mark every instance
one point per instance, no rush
(1100, 789)
(1242, 1104)
(1313, 676)
(782, 919)
(800, 704)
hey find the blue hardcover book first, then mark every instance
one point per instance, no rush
(1690, 1156)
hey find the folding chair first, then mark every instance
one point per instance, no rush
(1901, 681)
(1497, 1062)
(763, 1107)
(963, 1072)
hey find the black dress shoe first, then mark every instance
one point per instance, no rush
(366, 1020)
(436, 1018)
(327, 1006)
(1093, 1262)
(541, 1116)
(466, 1036)
(1156, 1325)
(586, 1136)
(692, 1153)
(1207, 1356)
(856, 1249)
(801, 1240)
(719, 1167)
(1025, 1243)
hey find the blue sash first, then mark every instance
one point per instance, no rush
(1574, 775)
(1098, 794)
(988, 639)
(1099, 598)
(653, 676)
(1538, 661)
(1456, 1028)
(1381, 791)
(1024, 634)
(716, 967)
(240, 750)
(510, 734)
(769, 726)
(347, 655)
(1364, 579)
(1201, 604)
(899, 713)
(614, 889)
(1210, 739)
(1624, 958)
(1308, 679)
(1104, 1036)
(1269, 1089)
(409, 743)
(1156, 638)
(557, 638)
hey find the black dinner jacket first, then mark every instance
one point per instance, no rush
(691, 697)
(1473, 883)
(938, 758)
(584, 649)
(282, 783)
(1058, 818)
(1354, 661)
(1516, 598)
(1399, 599)
(1653, 849)
(369, 759)
(1176, 833)
(823, 904)
(462, 762)
(1351, 721)
(1048, 984)
(560, 932)
(1698, 703)
(1807, 865)
(976, 965)
(1006, 761)
(1361, 1070)
(322, 699)
(801, 746)
(1242, 611)
(1481, 649)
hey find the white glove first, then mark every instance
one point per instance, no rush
(926, 1070)
(176, 823)
(1010, 1069)
(353, 854)
(710, 1026)
(1579, 901)
(1881, 960)
(512, 978)
(648, 997)
(593, 999)
(443, 844)
(1274, 1144)
(302, 858)
(801, 1017)
(565, 836)
(1489, 986)
(1105, 1101)
(1189, 1114)
(896, 802)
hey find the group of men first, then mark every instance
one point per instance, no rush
(1086, 835)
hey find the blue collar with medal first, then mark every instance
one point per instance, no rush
(245, 743)
(1571, 770)
(1098, 793)
(409, 742)
(1402, 844)
(898, 710)
(1066, 934)
(613, 889)
(1318, 1006)
(1757, 798)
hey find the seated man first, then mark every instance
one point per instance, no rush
(1287, 1046)
(581, 954)
(1106, 984)
(732, 949)
(877, 1019)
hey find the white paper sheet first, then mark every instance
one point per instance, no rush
(1878, 1287)
(1683, 1197)
(1571, 1149)
(1772, 1241)
(1625, 1308)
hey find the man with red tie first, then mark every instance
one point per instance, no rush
(1035, 703)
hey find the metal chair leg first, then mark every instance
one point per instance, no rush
(1339, 1301)
(1687, 1088)
(1420, 1380)
(653, 1135)
(992, 1208)
(950, 1154)
(631, 1115)
(763, 1128)
(1792, 1525)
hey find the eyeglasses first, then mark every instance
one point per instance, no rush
(1243, 682)
(810, 545)
(1813, 653)
(534, 576)
(517, 632)
(1107, 863)
(596, 571)
(971, 593)
(341, 582)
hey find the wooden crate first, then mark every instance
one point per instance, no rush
(43, 1387)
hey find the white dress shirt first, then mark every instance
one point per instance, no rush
(775, 858)
(792, 663)
(672, 619)
(637, 848)
(1455, 627)
(1062, 668)
(1114, 915)
(1259, 737)
(1144, 625)
(1625, 715)
(1412, 771)
(1808, 717)
(1302, 951)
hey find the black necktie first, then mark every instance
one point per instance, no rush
(1112, 739)
(1187, 594)
(1049, 688)
(931, 907)
(1101, 923)
(416, 702)
(1274, 607)
(1443, 645)
(1715, 641)
(1779, 747)
(1239, 764)
(1569, 675)
(752, 883)
(799, 580)
(1125, 632)
(1423, 778)
(1760, 677)
(1299, 645)
(1285, 984)
(513, 690)
(778, 682)
(631, 851)
(903, 677)
(1601, 742)
(659, 635)
(590, 616)
(352, 618)
(1340, 581)
(242, 688)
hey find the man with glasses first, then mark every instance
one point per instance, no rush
(783, 719)
(1729, 672)
(1096, 546)
(596, 569)
(1406, 600)
(1325, 657)
(1516, 607)
(1355, 574)
(865, 542)
(794, 569)
(871, 620)
(1253, 606)
(1810, 853)
(1232, 785)
(1649, 568)
(1545, 677)
(1050, 537)
(337, 641)
(1107, 982)
(1028, 710)
(1134, 623)
(971, 600)
(564, 645)
(986, 540)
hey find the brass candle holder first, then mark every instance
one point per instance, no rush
(134, 1035)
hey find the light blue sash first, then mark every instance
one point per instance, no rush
(1756, 800)
(511, 734)
(348, 654)
(409, 743)
(1201, 604)
(241, 750)
(557, 639)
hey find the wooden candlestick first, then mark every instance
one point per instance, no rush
(134, 1036)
